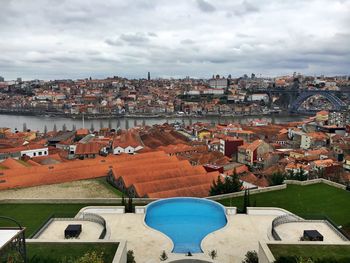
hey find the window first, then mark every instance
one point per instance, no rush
(45, 152)
(34, 154)
(40, 153)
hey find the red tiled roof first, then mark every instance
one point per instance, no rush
(201, 190)
(128, 138)
(11, 163)
(89, 148)
(67, 171)
(166, 184)
(82, 132)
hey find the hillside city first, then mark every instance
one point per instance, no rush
(117, 96)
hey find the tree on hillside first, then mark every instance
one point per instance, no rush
(217, 187)
(300, 175)
(246, 200)
(55, 128)
(277, 178)
(229, 184)
(45, 130)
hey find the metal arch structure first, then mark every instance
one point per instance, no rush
(337, 103)
(18, 243)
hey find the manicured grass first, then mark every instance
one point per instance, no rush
(312, 251)
(32, 216)
(57, 252)
(317, 199)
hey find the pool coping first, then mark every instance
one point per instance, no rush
(197, 198)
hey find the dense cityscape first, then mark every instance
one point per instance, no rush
(217, 96)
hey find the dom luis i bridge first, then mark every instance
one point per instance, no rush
(296, 97)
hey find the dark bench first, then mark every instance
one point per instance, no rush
(72, 231)
(312, 235)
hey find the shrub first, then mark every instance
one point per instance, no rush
(91, 257)
(130, 257)
(163, 256)
(251, 257)
(213, 254)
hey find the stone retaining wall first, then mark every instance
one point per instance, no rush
(315, 181)
(253, 191)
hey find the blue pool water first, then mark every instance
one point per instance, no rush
(186, 221)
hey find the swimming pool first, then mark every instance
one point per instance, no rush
(186, 221)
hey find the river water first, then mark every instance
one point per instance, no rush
(39, 122)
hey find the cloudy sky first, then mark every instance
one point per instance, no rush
(52, 39)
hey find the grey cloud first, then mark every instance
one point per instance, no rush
(246, 8)
(136, 38)
(114, 42)
(187, 41)
(171, 38)
(205, 6)
(67, 59)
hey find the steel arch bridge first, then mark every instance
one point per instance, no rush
(337, 103)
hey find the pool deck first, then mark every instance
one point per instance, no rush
(241, 234)
(56, 229)
(146, 242)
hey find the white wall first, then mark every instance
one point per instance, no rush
(35, 152)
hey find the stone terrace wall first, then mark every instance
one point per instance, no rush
(315, 181)
(252, 191)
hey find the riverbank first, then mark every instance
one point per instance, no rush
(24, 112)
(16, 121)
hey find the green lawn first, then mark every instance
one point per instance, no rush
(312, 251)
(32, 216)
(57, 252)
(316, 199)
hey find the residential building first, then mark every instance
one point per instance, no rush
(250, 153)
(218, 83)
(229, 146)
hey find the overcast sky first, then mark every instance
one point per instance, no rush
(52, 39)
